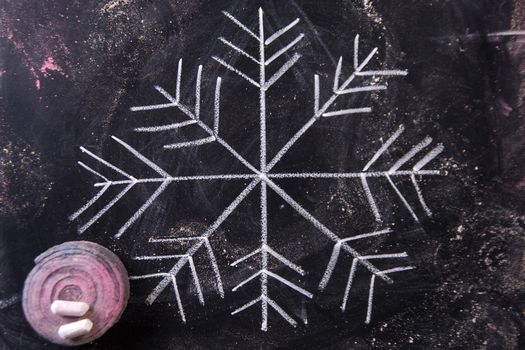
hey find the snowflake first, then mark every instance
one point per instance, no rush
(262, 178)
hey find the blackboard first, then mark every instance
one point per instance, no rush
(404, 166)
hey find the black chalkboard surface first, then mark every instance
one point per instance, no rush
(273, 174)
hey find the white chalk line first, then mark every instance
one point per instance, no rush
(246, 257)
(316, 94)
(397, 269)
(290, 143)
(384, 256)
(410, 154)
(150, 275)
(92, 171)
(97, 216)
(383, 73)
(239, 50)
(216, 106)
(370, 198)
(152, 107)
(89, 203)
(337, 74)
(215, 267)
(331, 266)
(284, 68)
(354, 175)
(264, 234)
(177, 297)
(198, 93)
(285, 261)
(385, 146)
(196, 279)
(281, 312)
(280, 32)
(247, 280)
(145, 160)
(420, 196)
(367, 235)
(356, 52)
(349, 282)
(170, 275)
(402, 198)
(304, 312)
(247, 305)
(370, 300)
(178, 82)
(198, 142)
(158, 257)
(236, 71)
(284, 49)
(361, 89)
(240, 25)
(429, 157)
(166, 127)
(347, 111)
(262, 101)
(263, 196)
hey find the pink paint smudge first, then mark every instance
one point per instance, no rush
(49, 66)
(504, 108)
(40, 60)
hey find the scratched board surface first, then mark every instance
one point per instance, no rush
(273, 174)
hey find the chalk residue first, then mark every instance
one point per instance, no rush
(372, 12)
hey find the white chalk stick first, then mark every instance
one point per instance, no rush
(69, 308)
(75, 329)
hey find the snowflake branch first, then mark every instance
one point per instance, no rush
(192, 270)
(393, 171)
(337, 91)
(265, 251)
(263, 84)
(131, 181)
(200, 241)
(213, 133)
(280, 32)
(322, 228)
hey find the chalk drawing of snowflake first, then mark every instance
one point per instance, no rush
(262, 178)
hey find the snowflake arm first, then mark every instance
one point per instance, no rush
(337, 90)
(393, 172)
(132, 181)
(201, 240)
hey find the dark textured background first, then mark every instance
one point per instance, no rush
(70, 70)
